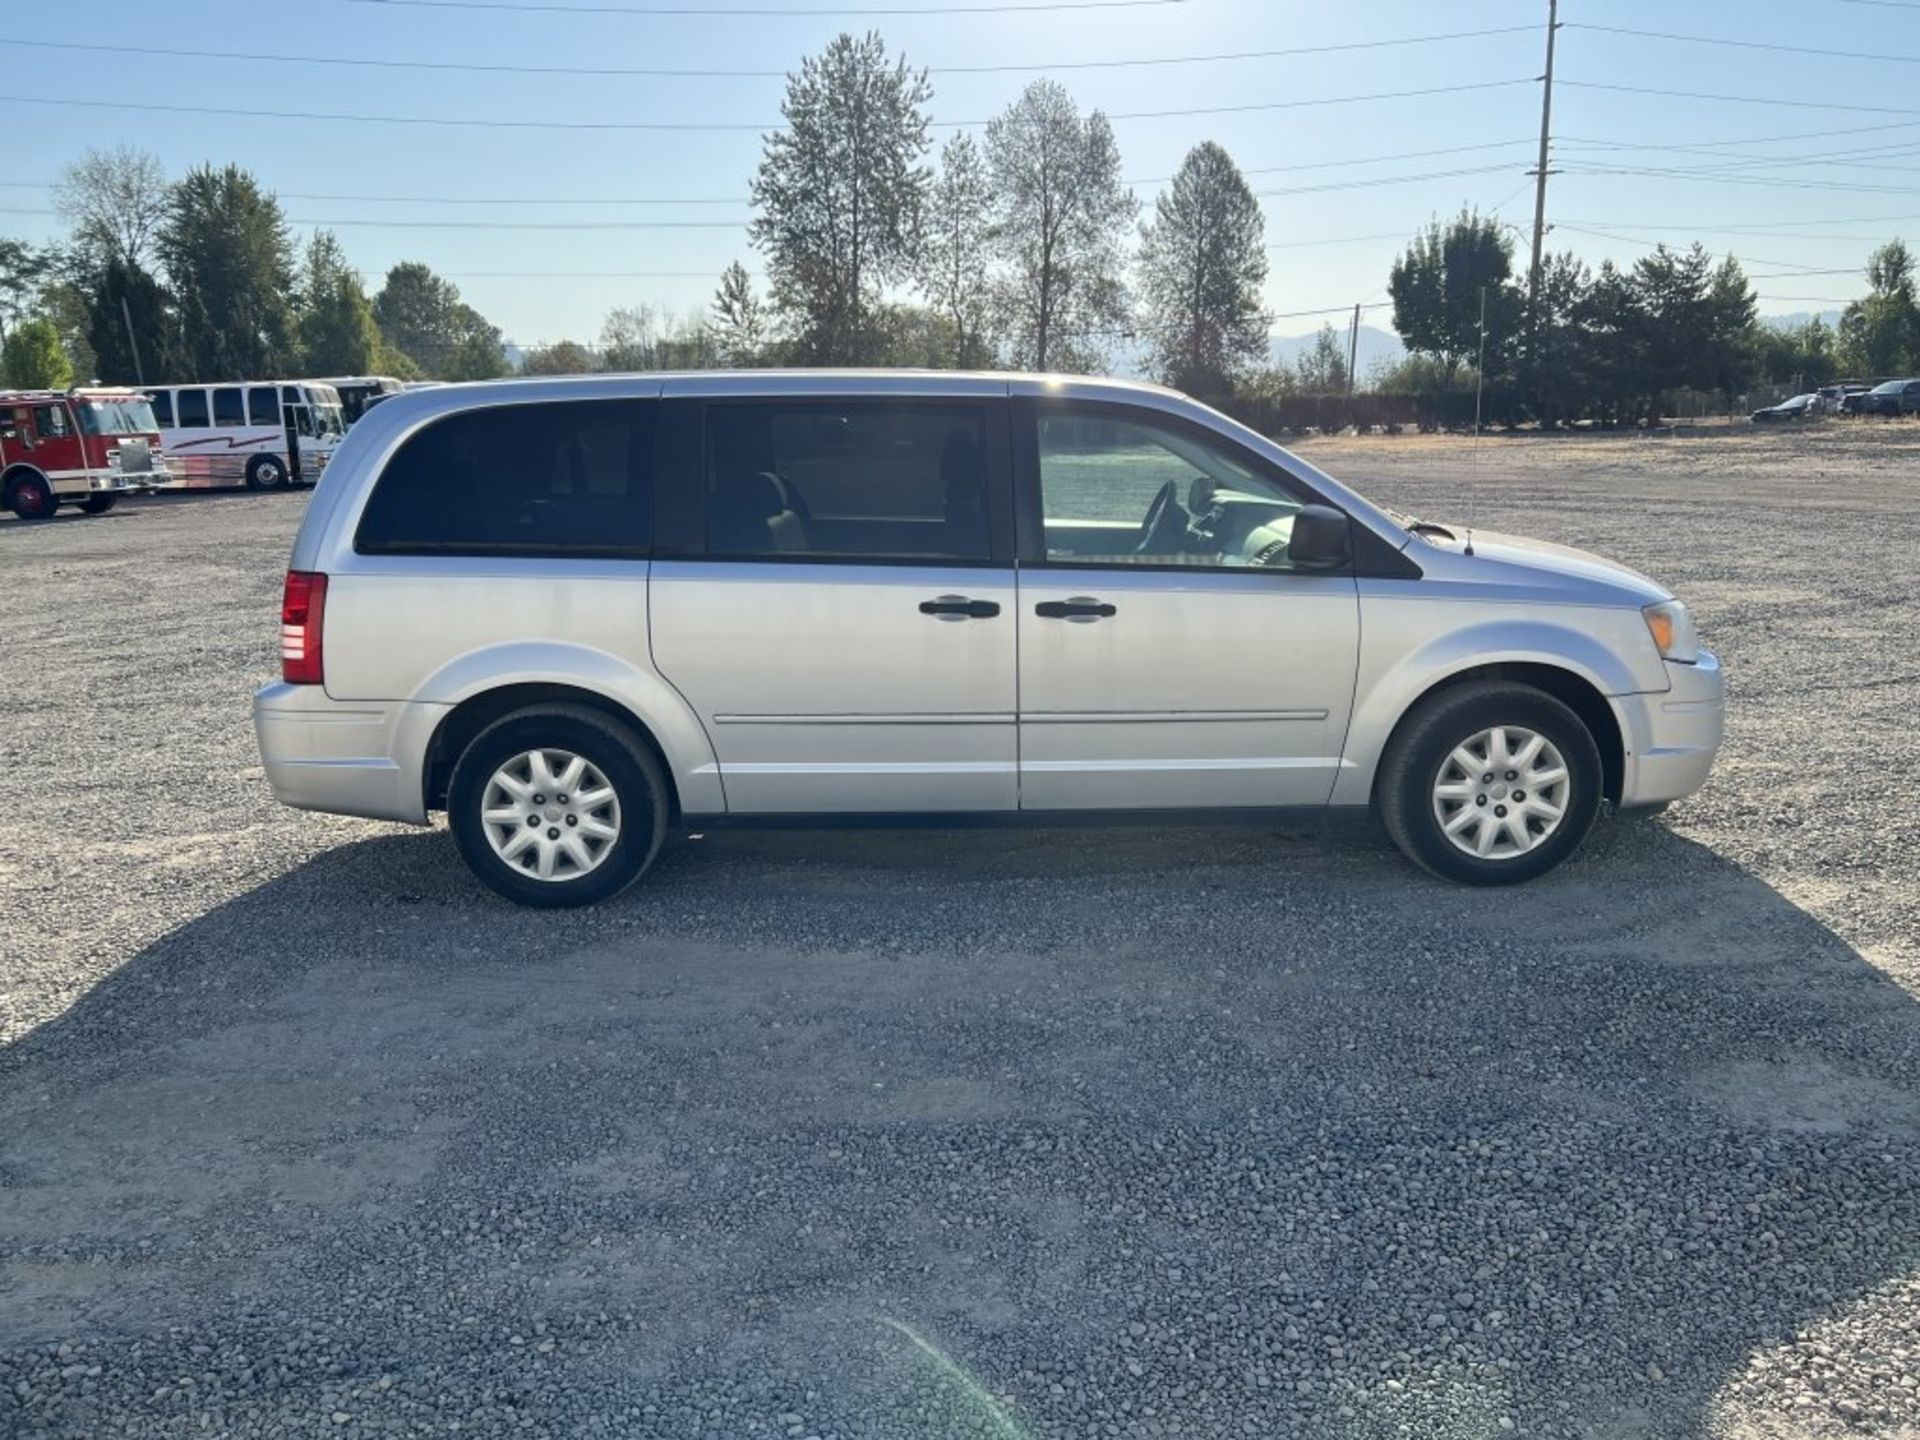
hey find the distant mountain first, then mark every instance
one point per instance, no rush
(1377, 346)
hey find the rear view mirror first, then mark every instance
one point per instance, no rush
(1320, 539)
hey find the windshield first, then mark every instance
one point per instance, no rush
(1890, 387)
(324, 402)
(117, 417)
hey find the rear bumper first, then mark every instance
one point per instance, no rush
(345, 757)
(1672, 736)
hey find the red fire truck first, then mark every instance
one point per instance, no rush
(84, 447)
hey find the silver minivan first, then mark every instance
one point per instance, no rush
(578, 614)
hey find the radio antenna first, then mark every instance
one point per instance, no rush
(1479, 397)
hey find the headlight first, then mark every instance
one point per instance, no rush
(1672, 630)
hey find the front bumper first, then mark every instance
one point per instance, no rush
(1672, 736)
(345, 757)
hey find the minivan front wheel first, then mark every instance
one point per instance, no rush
(557, 806)
(1490, 783)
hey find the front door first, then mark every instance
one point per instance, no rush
(1170, 654)
(847, 637)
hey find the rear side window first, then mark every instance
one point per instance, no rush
(163, 408)
(263, 405)
(572, 478)
(227, 409)
(193, 409)
(877, 480)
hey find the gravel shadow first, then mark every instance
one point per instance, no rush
(1195, 1133)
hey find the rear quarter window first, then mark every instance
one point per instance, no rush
(572, 478)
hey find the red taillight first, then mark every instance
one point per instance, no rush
(303, 608)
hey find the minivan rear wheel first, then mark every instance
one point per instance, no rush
(1490, 783)
(557, 805)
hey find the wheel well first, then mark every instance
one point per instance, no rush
(474, 714)
(1577, 694)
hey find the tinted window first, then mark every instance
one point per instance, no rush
(227, 409)
(561, 479)
(193, 408)
(904, 481)
(263, 405)
(1121, 491)
(163, 407)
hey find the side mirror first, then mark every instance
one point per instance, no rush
(1320, 538)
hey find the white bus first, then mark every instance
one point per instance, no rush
(237, 434)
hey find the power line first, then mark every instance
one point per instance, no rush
(745, 200)
(1777, 182)
(1757, 225)
(615, 126)
(1751, 139)
(1743, 99)
(682, 72)
(1745, 44)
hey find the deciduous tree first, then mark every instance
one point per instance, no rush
(955, 271)
(1880, 333)
(1203, 262)
(739, 328)
(1061, 216)
(1436, 288)
(839, 192)
(115, 202)
(563, 357)
(422, 316)
(32, 358)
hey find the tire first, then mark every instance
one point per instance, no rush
(266, 472)
(98, 504)
(638, 812)
(1420, 779)
(30, 497)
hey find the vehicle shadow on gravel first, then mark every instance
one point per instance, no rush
(1197, 1133)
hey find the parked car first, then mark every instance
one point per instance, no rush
(1891, 397)
(1800, 407)
(1834, 396)
(577, 613)
(84, 447)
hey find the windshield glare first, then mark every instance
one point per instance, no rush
(117, 417)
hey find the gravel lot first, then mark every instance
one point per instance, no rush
(1197, 1133)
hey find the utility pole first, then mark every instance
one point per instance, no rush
(1540, 173)
(1353, 348)
(139, 372)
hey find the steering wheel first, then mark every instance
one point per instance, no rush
(1165, 525)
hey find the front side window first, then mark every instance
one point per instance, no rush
(566, 479)
(50, 421)
(263, 405)
(870, 480)
(193, 409)
(1115, 490)
(227, 409)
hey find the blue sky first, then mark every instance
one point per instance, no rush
(1808, 213)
